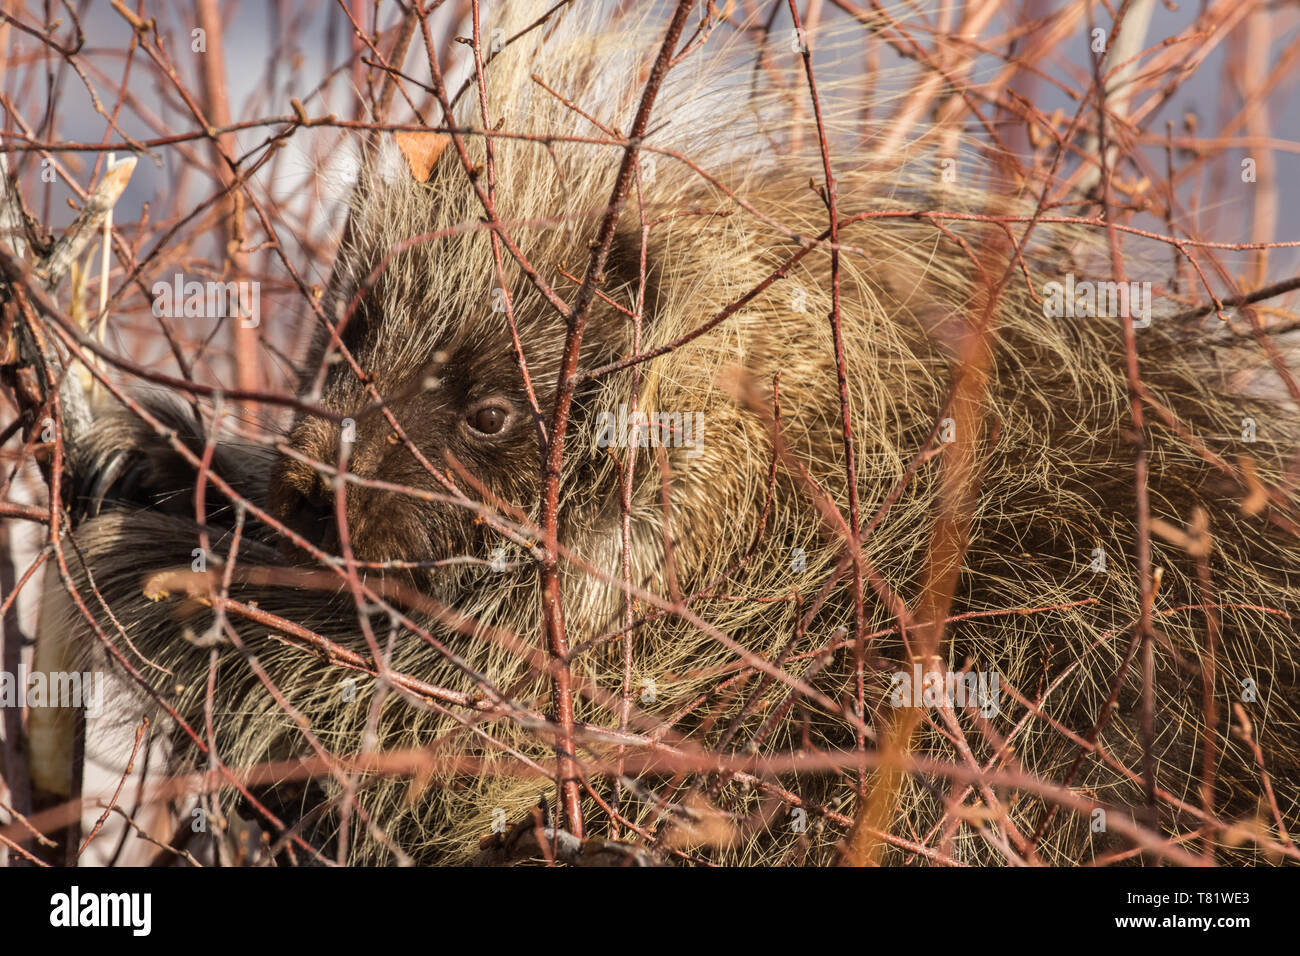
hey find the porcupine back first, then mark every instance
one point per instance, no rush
(1056, 482)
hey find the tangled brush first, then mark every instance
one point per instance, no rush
(683, 470)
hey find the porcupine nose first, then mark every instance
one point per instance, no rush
(311, 515)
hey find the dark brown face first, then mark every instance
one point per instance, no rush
(467, 415)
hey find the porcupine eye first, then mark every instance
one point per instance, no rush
(488, 419)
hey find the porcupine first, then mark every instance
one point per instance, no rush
(730, 519)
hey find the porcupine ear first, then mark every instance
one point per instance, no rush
(611, 332)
